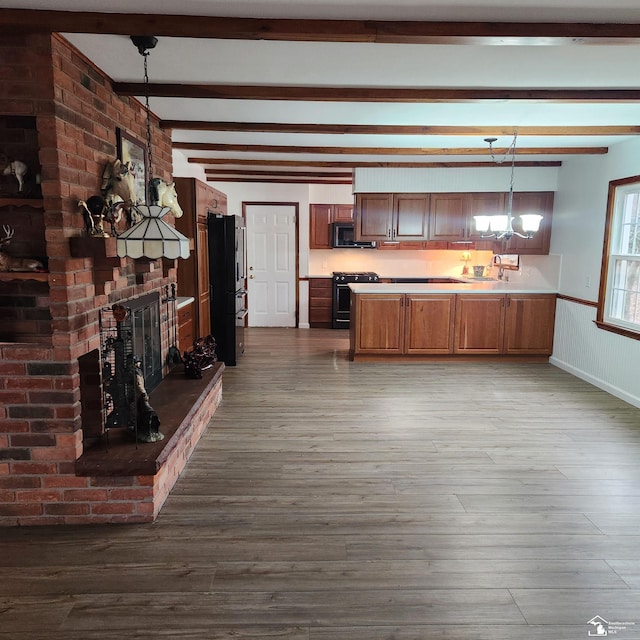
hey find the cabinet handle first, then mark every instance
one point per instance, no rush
(389, 233)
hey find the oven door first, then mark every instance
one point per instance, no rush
(341, 305)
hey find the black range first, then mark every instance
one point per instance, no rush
(342, 294)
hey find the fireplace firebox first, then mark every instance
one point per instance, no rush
(129, 338)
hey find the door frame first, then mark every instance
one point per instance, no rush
(296, 206)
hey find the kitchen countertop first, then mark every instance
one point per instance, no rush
(481, 286)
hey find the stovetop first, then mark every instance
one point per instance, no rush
(355, 276)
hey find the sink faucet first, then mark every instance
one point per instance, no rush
(500, 267)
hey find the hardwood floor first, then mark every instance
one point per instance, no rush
(333, 500)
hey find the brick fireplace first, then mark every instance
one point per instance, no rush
(59, 114)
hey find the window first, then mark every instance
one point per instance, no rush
(619, 303)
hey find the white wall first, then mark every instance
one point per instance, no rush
(607, 360)
(451, 180)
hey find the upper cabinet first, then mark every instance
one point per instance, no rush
(442, 220)
(531, 202)
(388, 217)
(320, 218)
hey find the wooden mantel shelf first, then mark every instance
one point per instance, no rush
(176, 400)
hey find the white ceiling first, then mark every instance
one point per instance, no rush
(348, 64)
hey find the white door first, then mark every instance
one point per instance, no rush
(271, 264)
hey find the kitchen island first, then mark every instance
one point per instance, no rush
(451, 320)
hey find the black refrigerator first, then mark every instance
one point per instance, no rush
(227, 275)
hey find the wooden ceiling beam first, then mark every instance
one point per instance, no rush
(275, 173)
(280, 180)
(387, 151)
(369, 94)
(408, 130)
(354, 164)
(306, 30)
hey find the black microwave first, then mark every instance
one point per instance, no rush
(343, 236)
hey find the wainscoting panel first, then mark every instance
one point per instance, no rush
(607, 360)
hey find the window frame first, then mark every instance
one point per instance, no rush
(603, 321)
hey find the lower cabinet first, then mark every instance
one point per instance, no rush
(458, 324)
(529, 324)
(479, 326)
(379, 323)
(320, 302)
(403, 323)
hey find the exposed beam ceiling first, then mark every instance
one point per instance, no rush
(382, 151)
(300, 30)
(406, 130)
(294, 87)
(369, 94)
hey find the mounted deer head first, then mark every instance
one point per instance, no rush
(10, 263)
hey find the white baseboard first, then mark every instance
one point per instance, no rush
(596, 382)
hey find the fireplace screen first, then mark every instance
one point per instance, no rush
(129, 332)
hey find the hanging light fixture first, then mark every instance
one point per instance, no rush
(501, 226)
(152, 237)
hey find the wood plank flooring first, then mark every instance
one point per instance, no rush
(332, 500)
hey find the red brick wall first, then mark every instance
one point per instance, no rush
(76, 114)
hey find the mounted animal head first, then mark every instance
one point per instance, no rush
(119, 182)
(11, 263)
(164, 194)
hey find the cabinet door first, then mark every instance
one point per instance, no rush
(532, 202)
(529, 324)
(320, 226)
(373, 216)
(410, 217)
(342, 213)
(429, 323)
(203, 321)
(479, 324)
(448, 217)
(320, 302)
(377, 323)
(484, 204)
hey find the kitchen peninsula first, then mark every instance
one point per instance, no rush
(451, 320)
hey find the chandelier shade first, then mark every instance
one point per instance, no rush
(152, 237)
(501, 226)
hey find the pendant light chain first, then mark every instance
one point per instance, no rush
(512, 149)
(148, 112)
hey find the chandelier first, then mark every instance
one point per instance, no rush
(501, 226)
(152, 237)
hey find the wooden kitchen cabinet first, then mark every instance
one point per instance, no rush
(482, 324)
(320, 218)
(197, 199)
(429, 323)
(378, 326)
(403, 323)
(186, 334)
(529, 324)
(451, 218)
(386, 217)
(320, 302)
(512, 324)
(479, 324)
(540, 202)
(445, 220)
